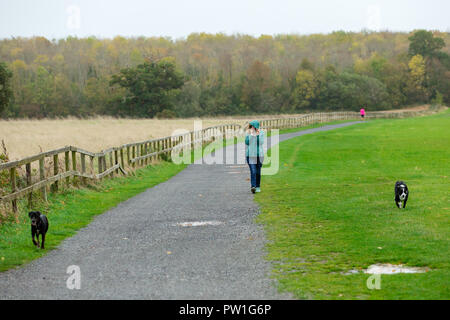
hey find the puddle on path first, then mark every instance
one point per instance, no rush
(199, 223)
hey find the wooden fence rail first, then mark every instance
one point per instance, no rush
(96, 166)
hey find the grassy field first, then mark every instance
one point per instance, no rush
(331, 209)
(73, 209)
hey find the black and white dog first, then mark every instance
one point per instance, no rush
(401, 194)
(39, 226)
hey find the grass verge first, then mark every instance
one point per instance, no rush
(330, 209)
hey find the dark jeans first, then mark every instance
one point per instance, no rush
(255, 164)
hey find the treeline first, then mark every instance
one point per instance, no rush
(222, 75)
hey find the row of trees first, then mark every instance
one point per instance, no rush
(207, 74)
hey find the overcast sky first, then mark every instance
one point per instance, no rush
(179, 18)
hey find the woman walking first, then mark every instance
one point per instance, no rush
(254, 140)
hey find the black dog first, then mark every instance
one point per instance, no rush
(39, 226)
(401, 194)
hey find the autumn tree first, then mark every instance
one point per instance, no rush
(429, 77)
(42, 91)
(416, 81)
(188, 104)
(393, 73)
(149, 87)
(439, 79)
(306, 89)
(257, 84)
(350, 91)
(5, 87)
(423, 43)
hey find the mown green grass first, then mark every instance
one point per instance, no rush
(331, 209)
(73, 209)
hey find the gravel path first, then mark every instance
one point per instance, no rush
(137, 250)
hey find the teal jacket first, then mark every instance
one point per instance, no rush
(254, 149)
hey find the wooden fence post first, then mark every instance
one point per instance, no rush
(13, 188)
(55, 171)
(66, 160)
(42, 177)
(145, 161)
(152, 150)
(122, 161)
(104, 165)
(224, 142)
(74, 164)
(74, 160)
(166, 145)
(138, 154)
(30, 195)
(170, 147)
(83, 167)
(143, 152)
(159, 149)
(116, 159)
(146, 152)
(128, 157)
(100, 165)
(92, 164)
(111, 163)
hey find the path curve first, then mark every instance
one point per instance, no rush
(137, 250)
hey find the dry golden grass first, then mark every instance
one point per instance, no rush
(25, 137)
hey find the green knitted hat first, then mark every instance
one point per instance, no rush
(255, 123)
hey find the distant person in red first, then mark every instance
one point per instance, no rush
(363, 113)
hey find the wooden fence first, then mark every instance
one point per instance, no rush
(80, 165)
